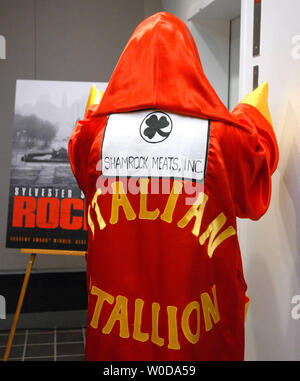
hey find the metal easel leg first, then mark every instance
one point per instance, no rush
(19, 306)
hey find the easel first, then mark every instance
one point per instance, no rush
(31, 260)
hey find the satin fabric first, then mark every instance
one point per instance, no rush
(157, 263)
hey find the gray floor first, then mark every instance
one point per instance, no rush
(45, 345)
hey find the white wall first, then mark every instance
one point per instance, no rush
(234, 62)
(271, 246)
(211, 35)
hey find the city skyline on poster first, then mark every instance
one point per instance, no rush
(46, 207)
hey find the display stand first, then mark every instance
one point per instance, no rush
(31, 260)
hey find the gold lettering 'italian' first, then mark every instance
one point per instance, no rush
(196, 211)
(90, 221)
(167, 214)
(119, 199)
(144, 213)
(100, 220)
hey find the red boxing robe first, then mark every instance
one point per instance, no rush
(164, 269)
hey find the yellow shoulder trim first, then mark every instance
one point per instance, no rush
(259, 99)
(246, 308)
(94, 97)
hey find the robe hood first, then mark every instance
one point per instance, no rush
(160, 68)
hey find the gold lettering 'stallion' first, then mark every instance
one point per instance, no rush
(173, 330)
(119, 313)
(155, 318)
(137, 333)
(185, 323)
(210, 309)
(102, 297)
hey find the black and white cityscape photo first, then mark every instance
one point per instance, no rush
(46, 113)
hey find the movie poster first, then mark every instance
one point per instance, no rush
(46, 206)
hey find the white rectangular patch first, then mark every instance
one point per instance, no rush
(153, 143)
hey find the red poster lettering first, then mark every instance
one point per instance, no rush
(48, 213)
(67, 221)
(47, 216)
(24, 208)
